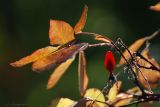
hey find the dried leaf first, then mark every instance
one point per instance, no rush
(95, 94)
(134, 47)
(152, 76)
(58, 72)
(156, 7)
(81, 23)
(57, 57)
(60, 32)
(86, 102)
(83, 78)
(114, 91)
(38, 54)
(65, 102)
(102, 38)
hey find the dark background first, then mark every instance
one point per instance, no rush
(24, 26)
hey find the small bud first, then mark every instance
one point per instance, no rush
(109, 62)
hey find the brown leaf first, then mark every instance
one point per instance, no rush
(102, 38)
(114, 91)
(60, 32)
(134, 47)
(81, 23)
(57, 57)
(58, 72)
(156, 7)
(38, 54)
(152, 76)
(83, 78)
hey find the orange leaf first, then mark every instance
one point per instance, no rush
(81, 23)
(57, 57)
(156, 7)
(102, 38)
(134, 47)
(83, 79)
(60, 32)
(40, 53)
(58, 72)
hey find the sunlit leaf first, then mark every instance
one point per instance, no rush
(156, 7)
(114, 91)
(83, 78)
(134, 47)
(65, 102)
(81, 23)
(95, 94)
(123, 99)
(86, 102)
(58, 72)
(60, 32)
(57, 57)
(38, 54)
(102, 38)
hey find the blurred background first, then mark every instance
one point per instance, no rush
(24, 26)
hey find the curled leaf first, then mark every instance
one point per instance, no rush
(156, 7)
(95, 94)
(81, 23)
(60, 32)
(102, 38)
(58, 57)
(38, 54)
(58, 72)
(114, 91)
(65, 102)
(134, 47)
(83, 78)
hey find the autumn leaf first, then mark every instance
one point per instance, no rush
(114, 91)
(148, 75)
(58, 72)
(83, 78)
(58, 57)
(60, 32)
(86, 102)
(156, 7)
(81, 23)
(38, 54)
(93, 93)
(134, 47)
(104, 39)
(65, 102)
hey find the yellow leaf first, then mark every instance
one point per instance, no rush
(134, 47)
(83, 79)
(58, 72)
(38, 54)
(114, 91)
(81, 23)
(156, 7)
(122, 99)
(86, 102)
(57, 57)
(95, 94)
(65, 102)
(60, 32)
